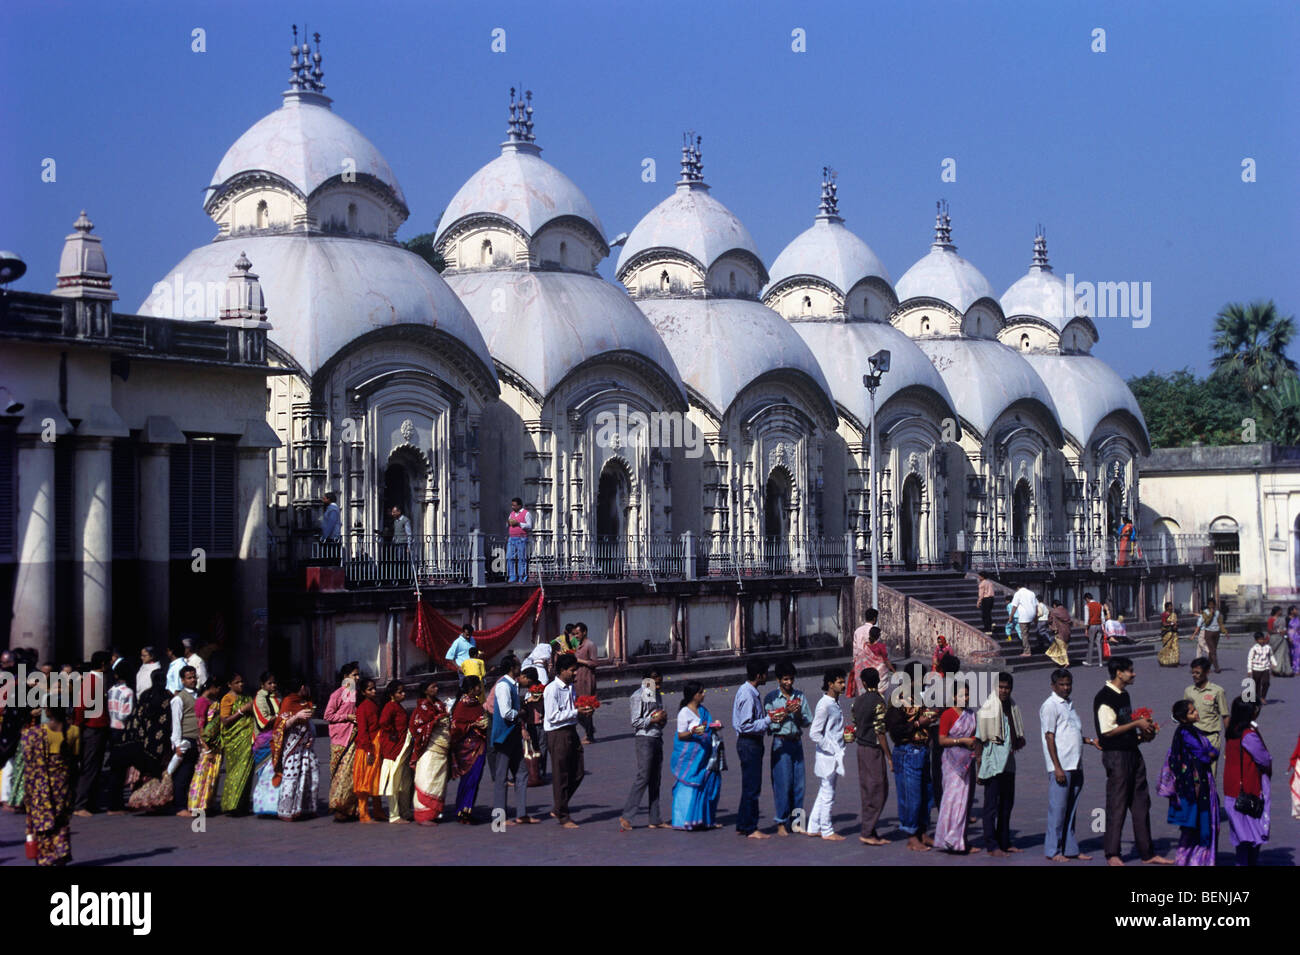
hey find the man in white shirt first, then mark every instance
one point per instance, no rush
(560, 722)
(185, 740)
(192, 659)
(1025, 606)
(827, 733)
(1063, 742)
(175, 660)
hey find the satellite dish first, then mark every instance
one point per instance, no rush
(11, 267)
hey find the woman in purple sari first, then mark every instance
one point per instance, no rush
(960, 745)
(1293, 638)
(1188, 782)
(469, 734)
(1247, 771)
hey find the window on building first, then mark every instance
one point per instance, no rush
(203, 497)
(1226, 539)
(1024, 342)
(807, 305)
(564, 254)
(263, 215)
(731, 281)
(485, 252)
(352, 217)
(665, 283)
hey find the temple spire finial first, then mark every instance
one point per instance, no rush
(829, 207)
(519, 125)
(306, 78)
(1040, 251)
(942, 226)
(692, 159)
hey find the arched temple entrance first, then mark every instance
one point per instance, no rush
(909, 522)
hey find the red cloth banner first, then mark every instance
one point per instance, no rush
(434, 634)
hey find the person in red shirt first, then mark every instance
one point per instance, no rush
(91, 715)
(395, 775)
(1092, 613)
(365, 768)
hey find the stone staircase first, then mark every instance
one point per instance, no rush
(954, 594)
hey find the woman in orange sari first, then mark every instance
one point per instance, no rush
(293, 756)
(366, 764)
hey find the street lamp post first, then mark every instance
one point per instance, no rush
(879, 365)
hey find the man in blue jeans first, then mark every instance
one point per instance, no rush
(751, 722)
(910, 728)
(787, 745)
(519, 525)
(1063, 743)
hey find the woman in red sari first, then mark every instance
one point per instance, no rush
(366, 765)
(430, 746)
(469, 733)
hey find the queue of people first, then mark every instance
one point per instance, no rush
(240, 748)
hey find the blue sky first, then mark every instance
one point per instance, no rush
(1130, 158)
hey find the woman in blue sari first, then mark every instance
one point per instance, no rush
(697, 763)
(266, 710)
(1188, 782)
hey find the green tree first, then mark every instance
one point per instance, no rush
(1250, 344)
(1181, 409)
(422, 245)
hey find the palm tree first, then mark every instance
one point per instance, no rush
(1250, 344)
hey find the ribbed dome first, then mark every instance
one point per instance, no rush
(306, 144)
(556, 321)
(522, 187)
(985, 378)
(1087, 390)
(721, 345)
(693, 222)
(831, 252)
(323, 292)
(843, 348)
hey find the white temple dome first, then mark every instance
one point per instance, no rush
(828, 250)
(945, 275)
(305, 144)
(1087, 390)
(1040, 293)
(692, 222)
(321, 293)
(557, 321)
(722, 345)
(985, 378)
(523, 188)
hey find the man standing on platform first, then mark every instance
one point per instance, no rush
(518, 525)
(751, 722)
(1025, 607)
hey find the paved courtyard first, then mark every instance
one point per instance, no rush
(131, 840)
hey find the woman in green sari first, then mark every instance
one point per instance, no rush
(236, 745)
